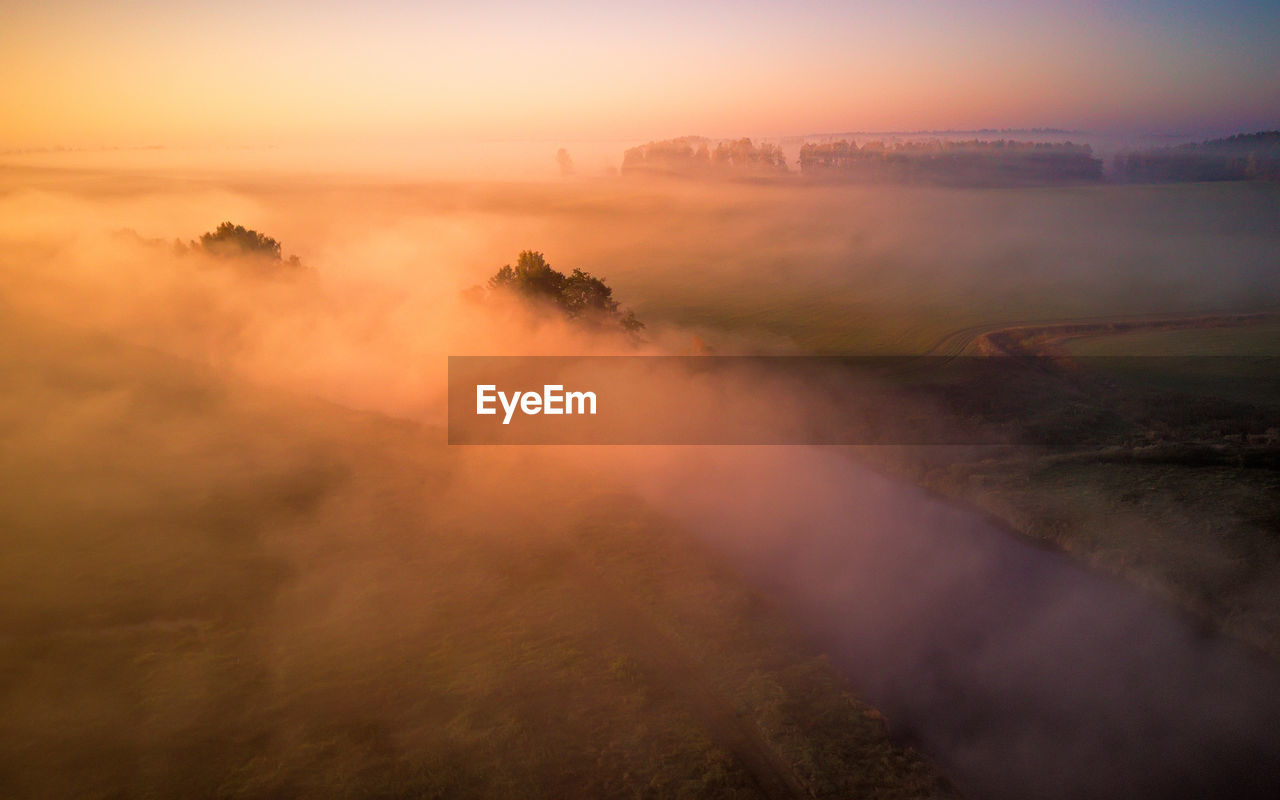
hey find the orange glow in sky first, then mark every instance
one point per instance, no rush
(95, 74)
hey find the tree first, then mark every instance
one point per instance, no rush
(255, 250)
(585, 294)
(532, 277)
(580, 296)
(681, 157)
(565, 162)
(237, 240)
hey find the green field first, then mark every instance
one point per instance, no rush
(1170, 479)
(1247, 340)
(1232, 363)
(221, 586)
(896, 270)
(832, 269)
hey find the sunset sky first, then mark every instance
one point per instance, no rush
(174, 73)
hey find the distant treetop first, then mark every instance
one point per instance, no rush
(693, 155)
(1243, 157)
(1261, 144)
(565, 162)
(580, 296)
(235, 240)
(975, 162)
(229, 241)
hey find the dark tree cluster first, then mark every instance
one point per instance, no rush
(237, 241)
(975, 162)
(579, 295)
(740, 154)
(1244, 157)
(694, 156)
(228, 241)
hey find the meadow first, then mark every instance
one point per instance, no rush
(240, 560)
(213, 589)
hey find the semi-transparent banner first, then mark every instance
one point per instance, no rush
(1212, 402)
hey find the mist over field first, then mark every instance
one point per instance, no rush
(936, 349)
(861, 269)
(240, 554)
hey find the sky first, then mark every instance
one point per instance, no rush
(85, 74)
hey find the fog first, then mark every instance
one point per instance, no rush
(1025, 673)
(839, 269)
(188, 440)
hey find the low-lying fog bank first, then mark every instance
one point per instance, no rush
(1024, 674)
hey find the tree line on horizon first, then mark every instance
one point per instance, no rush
(1243, 157)
(693, 155)
(973, 162)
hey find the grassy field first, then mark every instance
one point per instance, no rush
(1175, 496)
(1167, 476)
(1212, 362)
(1250, 340)
(213, 590)
(896, 270)
(831, 269)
